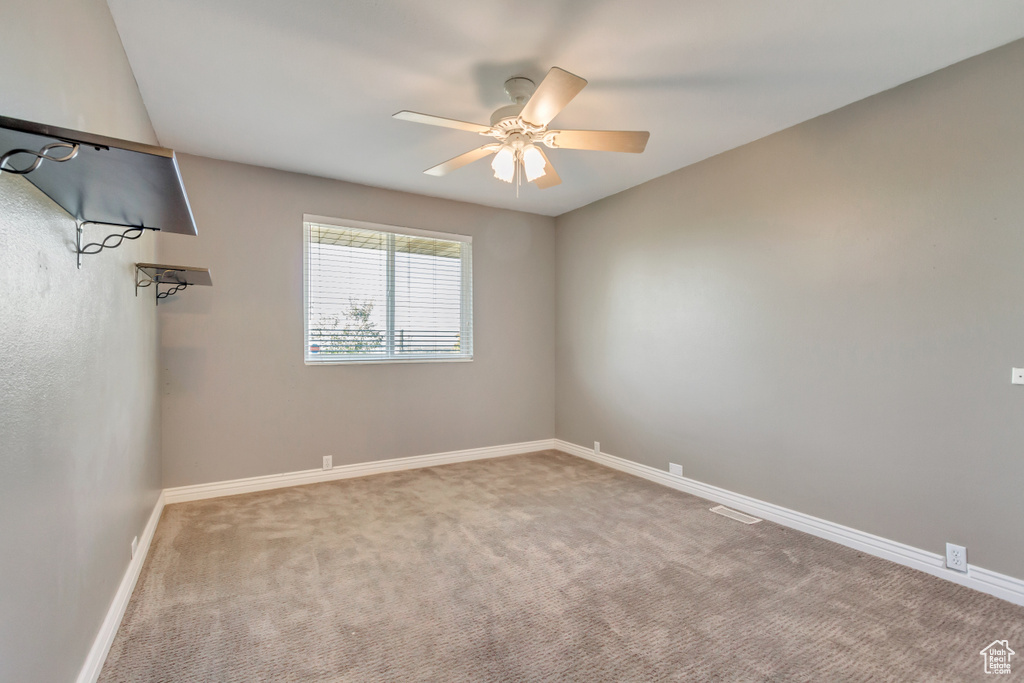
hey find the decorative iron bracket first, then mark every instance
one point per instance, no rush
(111, 241)
(42, 155)
(173, 290)
(144, 279)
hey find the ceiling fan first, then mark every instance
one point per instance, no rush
(520, 128)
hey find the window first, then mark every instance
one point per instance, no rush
(376, 293)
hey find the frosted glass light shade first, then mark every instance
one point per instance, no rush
(504, 164)
(533, 162)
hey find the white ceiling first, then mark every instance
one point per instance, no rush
(310, 85)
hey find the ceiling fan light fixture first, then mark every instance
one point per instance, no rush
(533, 163)
(504, 164)
(520, 128)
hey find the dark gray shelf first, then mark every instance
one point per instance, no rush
(111, 181)
(175, 275)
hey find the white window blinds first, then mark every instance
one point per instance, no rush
(378, 293)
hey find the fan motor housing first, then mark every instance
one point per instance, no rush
(509, 111)
(519, 89)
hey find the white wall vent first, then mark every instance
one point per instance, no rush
(733, 514)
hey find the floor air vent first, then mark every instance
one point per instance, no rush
(733, 514)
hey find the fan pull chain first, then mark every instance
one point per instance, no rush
(519, 175)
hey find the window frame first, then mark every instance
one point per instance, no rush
(465, 299)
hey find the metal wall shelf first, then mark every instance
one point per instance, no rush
(176, 278)
(99, 180)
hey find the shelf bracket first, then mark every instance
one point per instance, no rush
(42, 155)
(169, 292)
(143, 279)
(111, 241)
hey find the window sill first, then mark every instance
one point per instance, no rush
(390, 361)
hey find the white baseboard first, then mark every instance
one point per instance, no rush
(182, 494)
(105, 638)
(1002, 586)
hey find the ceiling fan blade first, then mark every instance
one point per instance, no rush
(550, 178)
(431, 120)
(599, 140)
(462, 160)
(554, 92)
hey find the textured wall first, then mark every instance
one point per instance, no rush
(79, 416)
(825, 318)
(63, 64)
(238, 401)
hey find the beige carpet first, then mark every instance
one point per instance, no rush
(541, 567)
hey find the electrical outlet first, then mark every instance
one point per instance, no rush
(135, 546)
(676, 469)
(956, 557)
(597, 446)
(328, 462)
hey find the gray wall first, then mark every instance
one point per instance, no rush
(79, 420)
(825, 318)
(238, 401)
